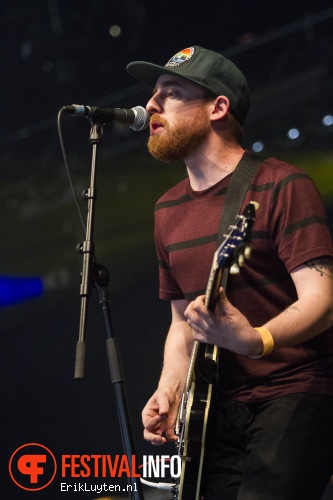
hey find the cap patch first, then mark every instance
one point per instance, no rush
(181, 57)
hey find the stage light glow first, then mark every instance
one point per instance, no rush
(327, 120)
(257, 146)
(115, 30)
(293, 133)
(18, 289)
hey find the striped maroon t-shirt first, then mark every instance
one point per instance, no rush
(291, 228)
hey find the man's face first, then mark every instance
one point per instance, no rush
(179, 118)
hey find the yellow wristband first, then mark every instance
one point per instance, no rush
(267, 340)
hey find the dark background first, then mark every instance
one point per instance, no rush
(59, 52)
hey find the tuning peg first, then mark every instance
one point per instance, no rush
(247, 252)
(241, 260)
(234, 269)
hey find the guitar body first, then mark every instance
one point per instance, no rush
(199, 400)
(197, 397)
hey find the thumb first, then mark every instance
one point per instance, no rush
(164, 403)
(224, 304)
(163, 407)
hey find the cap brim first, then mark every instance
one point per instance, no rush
(147, 72)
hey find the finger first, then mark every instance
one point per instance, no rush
(171, 436)
(198, 318)
(199, 300)
(156, 406)
(163, 404)
(195, 303)
(224, 303)
(195, 327)
(153, 438)
(200, 307)
(200, 337)
(222, 295)
(153, 422)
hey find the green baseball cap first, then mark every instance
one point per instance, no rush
(206, 68)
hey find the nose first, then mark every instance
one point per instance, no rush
(153, 105)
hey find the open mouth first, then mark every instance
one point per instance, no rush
(155, 126)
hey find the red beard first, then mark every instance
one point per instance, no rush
(176, 142)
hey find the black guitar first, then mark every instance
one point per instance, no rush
(192, 418)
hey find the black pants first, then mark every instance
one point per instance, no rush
(276, 450)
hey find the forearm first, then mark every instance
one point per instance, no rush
(177, 352)
(303, 320)
(312, 313)
(159, 414)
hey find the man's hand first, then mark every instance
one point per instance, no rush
(159, 417)
(227, 327)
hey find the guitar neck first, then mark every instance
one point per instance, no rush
(213, 286)
(211, 298)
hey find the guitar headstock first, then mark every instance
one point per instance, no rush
(236, 246)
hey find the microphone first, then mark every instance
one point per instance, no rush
(137, 118)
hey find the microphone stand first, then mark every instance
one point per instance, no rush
(93, 274)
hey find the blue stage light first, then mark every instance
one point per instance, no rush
(17, 289)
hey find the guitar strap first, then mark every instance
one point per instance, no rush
(238, 186)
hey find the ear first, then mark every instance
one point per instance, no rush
(220, 109)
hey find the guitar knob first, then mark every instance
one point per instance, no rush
(234, 269)
(247, 252)
(241, 260)
(174, 492)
